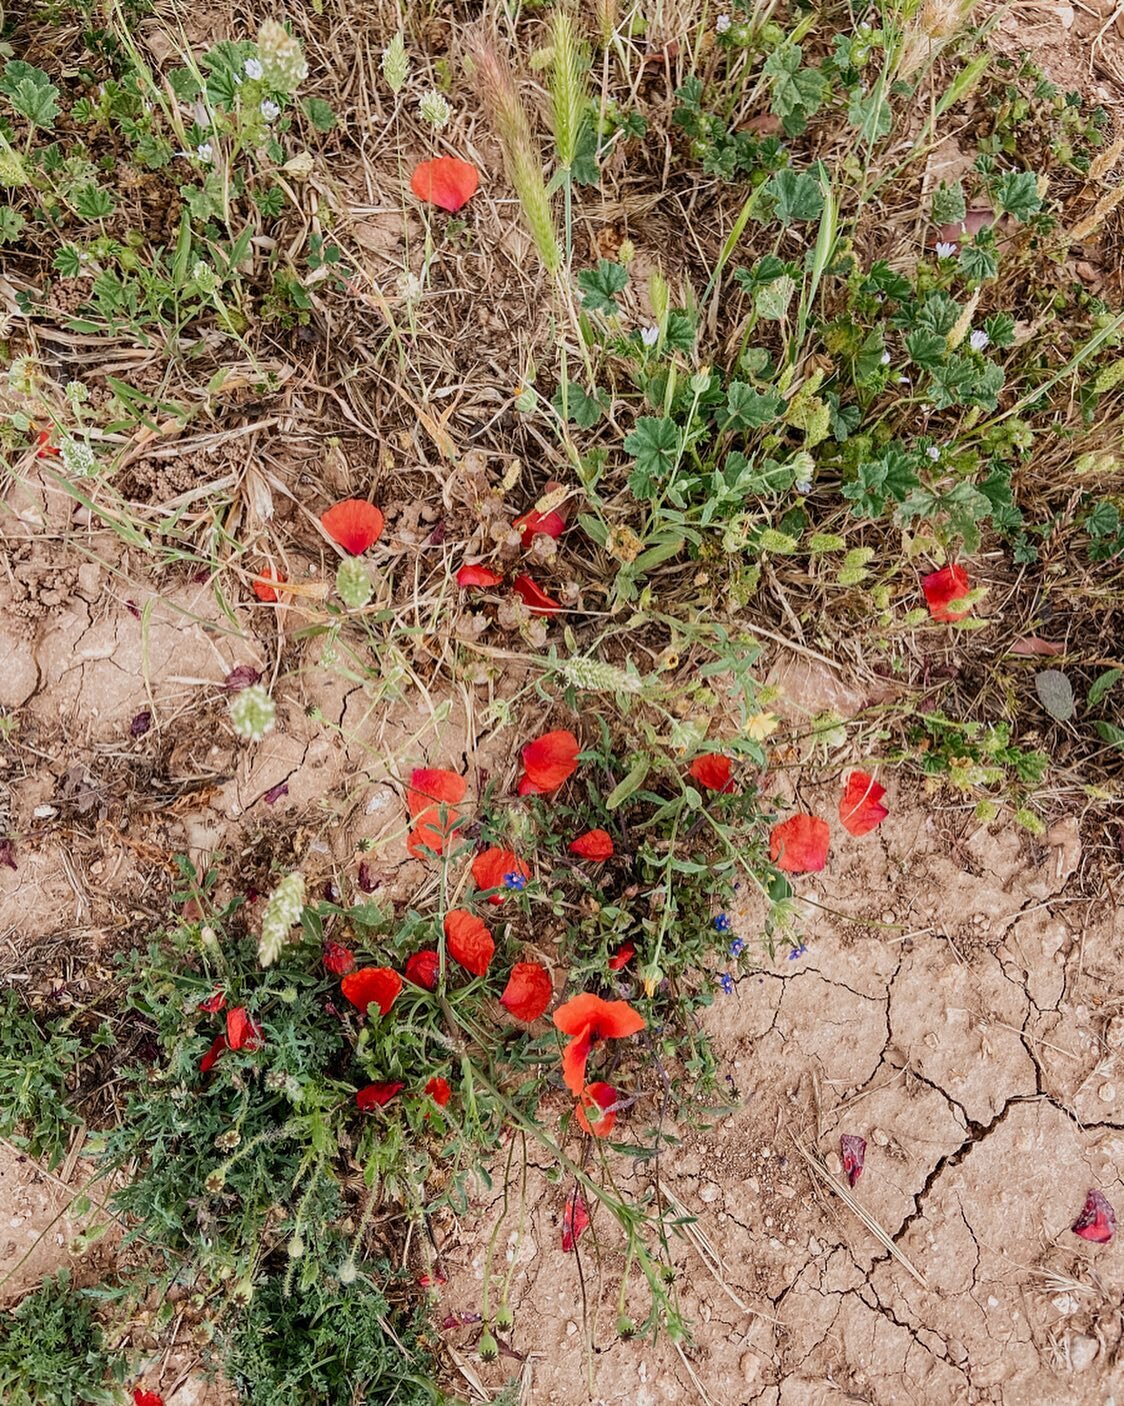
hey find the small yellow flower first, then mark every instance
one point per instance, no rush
(762, 725)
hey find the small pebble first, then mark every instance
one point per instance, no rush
(1107, 1093)
(880, 1138)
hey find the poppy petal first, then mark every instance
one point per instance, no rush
(214, 1002)
(478, 576)
(353, 524)
(575, 1218)
(799, 844)
(623, 955)
(575, 1057)
(338, 959)
(597, 1098)
(852, 1149)
(861, 808)
(422, 969)
(146, 1398)
(207, 1063)
(469, 941)
(551, 759)
(241, 1032)
(528, 991)
(712, 771)
(594, 844)
(533, 524)
(943, 590)
(439, 1091)
(534, 597)
(1097, 1221)
(527, 787)
(603, 1020)
(430, 786)
(265, 585)
(372, 986)
(377, 1095)
(446, 182)
(492, 867)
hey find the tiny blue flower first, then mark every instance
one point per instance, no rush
(722, 923)
(726, 981)
(737, 947)
(514, 881)
(797, 952)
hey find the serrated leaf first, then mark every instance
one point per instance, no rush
(600, 286)
(581, 408)
(772, 299)
(748, 409)
(1017, 193)
(1110, 733)
(1055, 693)
(1101, 685)
(797, 195)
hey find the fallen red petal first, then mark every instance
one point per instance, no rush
(860, 806)
(533, 524)
(469, 941)
(44, 448)
(534, 597)
(594, 844)
(338, 959)
(528, 991)
(146, 1398)
(439, 1091)
(1030, 646)
(207, 1063)
(353, 524)
(422, 969)
(469, 576)
(852, 1149)
(799, 844)
(575, 1218)
(446, 182)
(943, 590)
(713, 771)
(550, 760)
(214, 1002)
(491, 867)
(430, 786)
(527, 787)
(243, 676)
(242, 1032)
(274, 794)
(265, 585)
(1097, 1221)
(377, 1095)
(623, 955)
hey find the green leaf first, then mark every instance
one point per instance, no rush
(747, 409)
(797, 92)
(601, 285)
(581, 408)
(93, 203)
(585, 170)
(1016, 192)
(31, 92)
(772, 299)
(927, 349)
(949, 205)
(939, 313)
(798, 195)
(870, 113)
(1109, 733)
(1000, 329)
(185, 84)
(655, 445)
(867, 362)
(978, 262)
(1101, 685)
(630, 785)
(319, 113)
(11, 224)
(878, 480)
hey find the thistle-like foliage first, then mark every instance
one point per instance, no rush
(495, 83)
(569, 96)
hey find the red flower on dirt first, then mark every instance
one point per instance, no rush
(852, 1149)
(549, 760)
(265, 585)
(439, 1091)
(597, 1098)
(477, 575)
(528, 991)
(146, 1398)
(944, 589)
(492, 867)
(587, 1019)
(799, 844)
(214, 1002)
(535, 524)
(712, 771)
(338, 959)
(446, 182)
(575, 1218)
(622, 956)
(353, 524)
(422, 969)
(242, 1033)
(534, 597)
(1097, 1221)
(594, 844)
(44, 449)
(209, 1060)
(860, 807)
(469, 941)
(377, 1095)
(432, 798)
(372, 986)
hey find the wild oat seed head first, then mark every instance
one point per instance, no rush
(12, 170)
(395, 64)
(568, 96)
(282, 912)
(283, 63)
(252, 713)
(595, 676)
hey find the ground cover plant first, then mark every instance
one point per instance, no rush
(559, 359)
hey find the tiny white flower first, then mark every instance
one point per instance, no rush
(269, 109)
(204, 151)
(252, 68)
(978, 340)
(885, 358)
(649, 336)
(803, 485)
(933, 452)
(903, 380)
(945, 250)
(722, 24)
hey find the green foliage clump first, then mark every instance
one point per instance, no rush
(53, 1353)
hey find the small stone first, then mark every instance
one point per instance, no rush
(786, 1190)
(1081, 1351)
(750, 1365)
(879, 1138)
(571, 1329)
(833, 1163)
(44, 813)
(1107, 1093)
(1114, 1032)
(710, 1193)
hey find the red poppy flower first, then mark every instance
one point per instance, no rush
(534, 597)
(432, 797)
(242, 1033)
(575, 1218)
(597, 1098)
(439, 1091)
(550, 760)
(623, 955)
(1097, 1221)
(594, 844)
(478, 576)
(146, 1398)
(338, 959)
(944, 589)
(588, 1018)
(527, 787)
(214, 1002)
(860, 807)
(528, 991)
(377, 1095)
(491, 867)
(799, 844)
(353, 524)
(422, 969)
(469, 941)
(265, 585)
(44, 449)
(446, 182)
(852, 1149)
(712, 771)
(207, 1063)
(372, 986)
(533, 524)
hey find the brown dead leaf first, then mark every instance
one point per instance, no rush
(1030, 647)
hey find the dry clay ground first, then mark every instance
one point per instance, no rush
(960, 1005)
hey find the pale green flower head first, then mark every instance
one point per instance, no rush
(395, 64)
(282, 912)
(434, 109)
(252, 713)
(281, 57)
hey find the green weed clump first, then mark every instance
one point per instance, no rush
(52, 1350)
